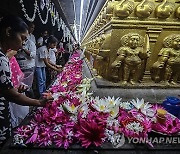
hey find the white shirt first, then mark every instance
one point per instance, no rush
(32, 38)
(27, 61)
(52, 55)
(41, 53)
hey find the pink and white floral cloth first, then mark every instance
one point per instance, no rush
(18, 112)
(17, 74)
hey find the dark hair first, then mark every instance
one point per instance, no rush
(52, 39)
(16, 24)
(30, 24)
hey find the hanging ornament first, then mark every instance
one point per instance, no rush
(52, 11)
(64, 33)
(55, 18)
(47, 15)
(47, 3)
(31, 19)
(42, 4)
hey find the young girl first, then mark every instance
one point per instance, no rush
(43, 61)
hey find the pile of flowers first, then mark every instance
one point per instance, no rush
(76, 117)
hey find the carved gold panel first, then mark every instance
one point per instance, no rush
(136, 43)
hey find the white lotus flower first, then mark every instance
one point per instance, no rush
(107, 105)
(95, 100)
(113, 105)
(138, 103)
(112, 102)
(114, 112)
(145, 108)
(148, 110)
(100, 105)
(70, 108)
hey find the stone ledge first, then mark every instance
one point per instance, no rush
(103, 88)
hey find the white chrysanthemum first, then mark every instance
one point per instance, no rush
(126, 105)
(112, 122)
(84, 109)
(135, 126)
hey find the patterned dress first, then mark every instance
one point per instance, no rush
(5, 83)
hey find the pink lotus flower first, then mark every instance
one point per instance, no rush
(44, 136)
(98, 117)
(90, 133)
(24, 131)
(63, 137)
(34, 137)
(38, 118)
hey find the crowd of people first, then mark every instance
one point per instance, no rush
(25, 62)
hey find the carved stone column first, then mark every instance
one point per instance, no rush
(153, 33)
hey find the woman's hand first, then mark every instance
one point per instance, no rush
(46, 97)
(59, 66)
(59, 70)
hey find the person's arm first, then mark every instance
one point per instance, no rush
(11, 53)
(48, 64)
(31, 52)
(14, 96)
(9, 92)
(55, 65)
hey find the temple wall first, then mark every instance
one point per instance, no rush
(136, 43)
